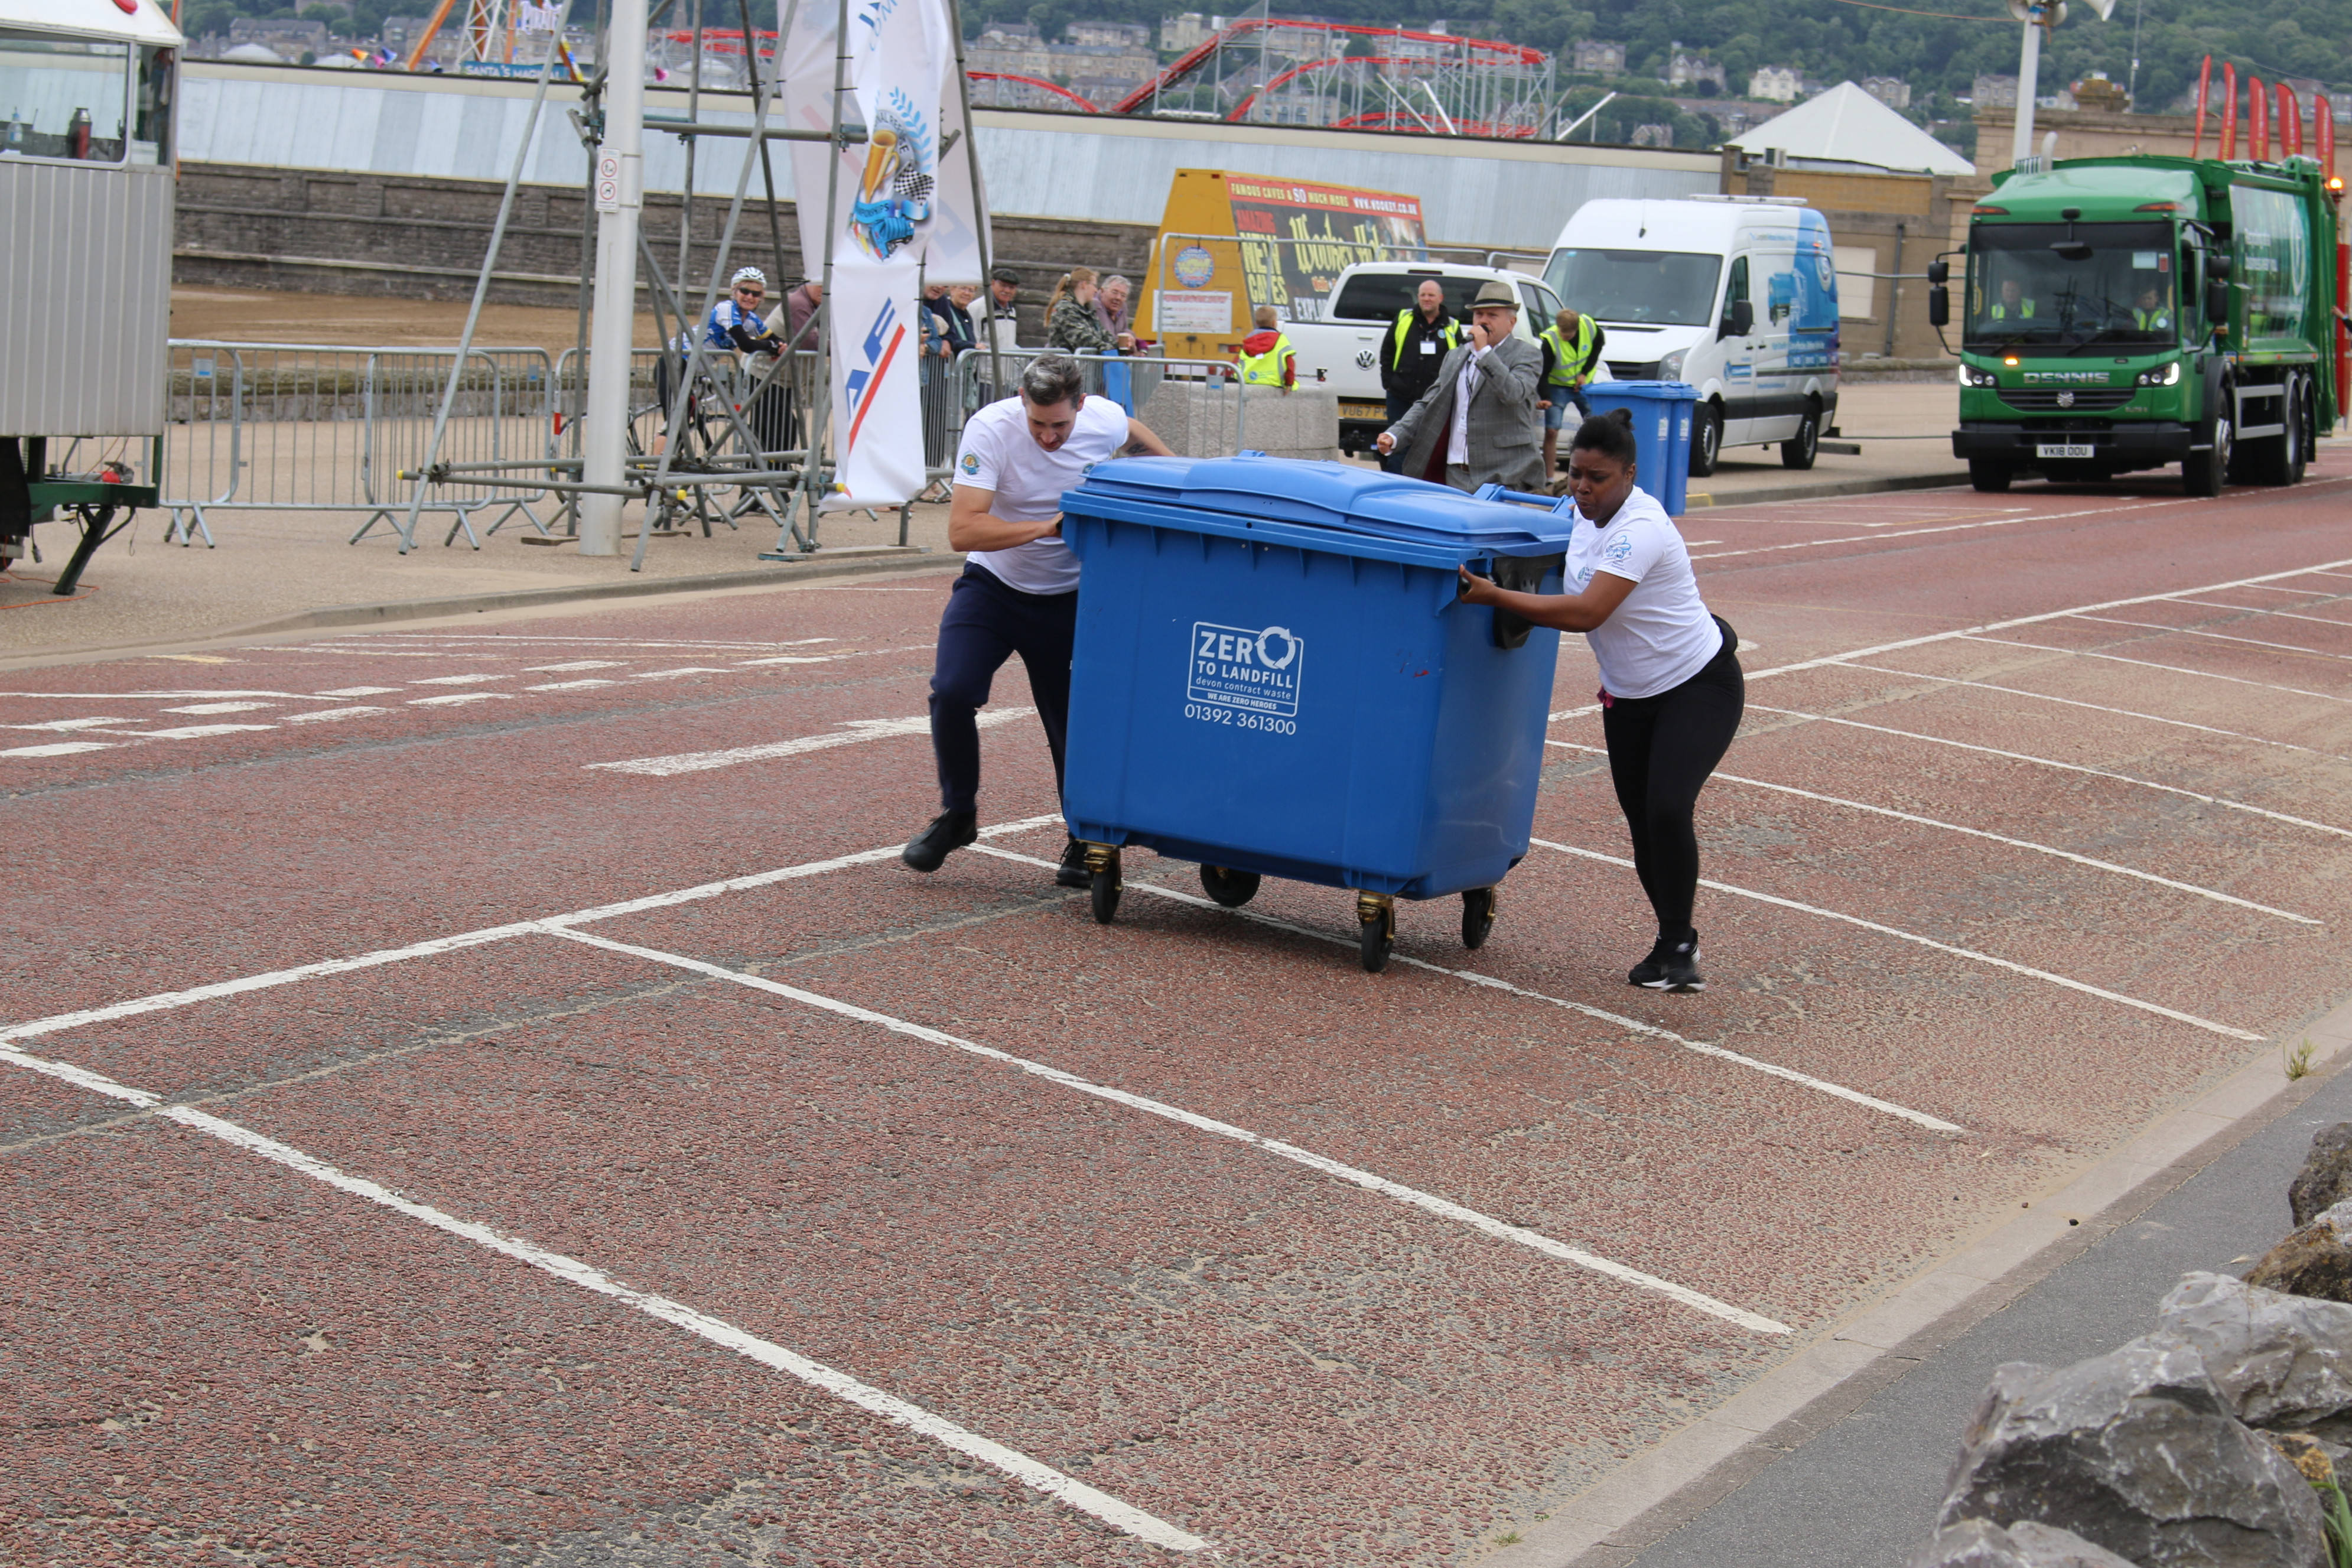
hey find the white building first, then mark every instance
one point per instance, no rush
(1595, 58)
(1890, 90)
(1189, 30)
(1685, 69)
(1994, 92)
(1776, 84)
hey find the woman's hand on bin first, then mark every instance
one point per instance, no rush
(1475, 590)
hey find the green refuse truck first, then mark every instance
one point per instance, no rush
(2120, 314)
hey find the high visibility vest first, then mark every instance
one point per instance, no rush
(1567, 363)
(1449, 332)
(2024, 311)
(2157, 321)
(1265, 369)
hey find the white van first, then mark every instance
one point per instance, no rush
(1735, 295)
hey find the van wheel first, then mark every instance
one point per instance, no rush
(1989, 476)
(1706, 440)
(1800, 450)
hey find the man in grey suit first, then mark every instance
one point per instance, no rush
(1478, 423)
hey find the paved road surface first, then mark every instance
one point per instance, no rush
(434, 1143)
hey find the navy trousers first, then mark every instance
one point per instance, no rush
(986, 623)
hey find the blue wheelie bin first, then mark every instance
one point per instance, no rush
(1274, 677)
(1662, 414)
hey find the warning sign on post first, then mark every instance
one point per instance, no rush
(1256, 670)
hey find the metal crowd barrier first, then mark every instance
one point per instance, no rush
(317, 427)
(1188, 402)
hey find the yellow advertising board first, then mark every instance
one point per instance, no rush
(1229, 243)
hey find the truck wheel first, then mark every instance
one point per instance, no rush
(2295, 447)
(1800, 450)
(1989, 476)
(1706, 440)
(2204, 473)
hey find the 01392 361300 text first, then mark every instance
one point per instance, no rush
(1245, 676)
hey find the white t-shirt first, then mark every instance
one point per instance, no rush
(1660, 634)
(999, 454)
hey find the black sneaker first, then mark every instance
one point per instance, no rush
(950, 830)
(1653, 969)
(1676, 968)
(1073, 872)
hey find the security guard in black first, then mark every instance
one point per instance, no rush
(1415, 344)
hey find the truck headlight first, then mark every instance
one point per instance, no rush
(1670, 367)
(1971, 376)
(2162, 375)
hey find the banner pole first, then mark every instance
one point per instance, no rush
(823, 414)
(979, 200)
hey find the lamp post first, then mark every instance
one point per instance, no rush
(2037, 15)
(620, 191)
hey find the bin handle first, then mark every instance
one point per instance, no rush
(1549, 503)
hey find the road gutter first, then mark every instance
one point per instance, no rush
(1608, 1524)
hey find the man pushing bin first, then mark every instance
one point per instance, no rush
(1019, 591)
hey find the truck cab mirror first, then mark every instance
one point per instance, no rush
(2217, 300)
(1939, 305)
(2217, 266)
(1940, 272)
(1739, 319)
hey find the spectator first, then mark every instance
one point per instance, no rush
(1571, 354)
(1476, 423)
(800, 308)
(1004, 305)
(1070, 322)
(947, 331)
(1267, 358)
(1423, 335)
(1110, 305)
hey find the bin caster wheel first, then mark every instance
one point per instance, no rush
(1103, 881)
(1231, 888)
(1375, 929)
(1477, 917)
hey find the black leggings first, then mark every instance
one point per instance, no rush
(1661, 750)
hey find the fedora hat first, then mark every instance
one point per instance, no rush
(1494, 292)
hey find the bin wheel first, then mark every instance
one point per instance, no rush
(1375, 930)
(1230, 888)
(1477, 917)
(1104, 887)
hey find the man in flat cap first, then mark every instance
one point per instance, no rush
(1477, 423)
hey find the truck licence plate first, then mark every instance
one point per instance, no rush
(2071, 450)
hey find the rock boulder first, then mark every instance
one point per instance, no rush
(2325, 1179)
(2279, 1360)
(1981, 1543)
(2138, 1452)
(2314, 1261)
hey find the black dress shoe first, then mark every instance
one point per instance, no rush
(1073, 872)
(950, 830)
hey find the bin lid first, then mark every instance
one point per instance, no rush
(1335, 496)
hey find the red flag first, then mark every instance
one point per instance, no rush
(2229, 112)
(2204, 83)
(2322, 112)
(2258, 121)
(2290, 123)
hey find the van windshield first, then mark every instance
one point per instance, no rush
(1636, 288)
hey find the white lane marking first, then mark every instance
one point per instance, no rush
(575, 663)
(317, 714)
(2068, 767)
(855, 731)
(196, 732)
(2264, 588)
(360, 691)
(1934, 1123)
(1943, 528)
(59, 749)
(2274, 615)
(454, 697)
(1876, 649)
(70, 724)
(793, 658)
(2051, 850)
(682, 669)
(2171, 668)
(1427, 1202)
(218, 708)
(571, 685)
(1054, 1483)
(154, 696)
(2217, 636)
(2093, 707)
(520, 639)
(1969, 953)
(454, 679)
(166, 1000)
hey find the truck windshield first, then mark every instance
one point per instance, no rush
(2024, 292)
(1636, 288)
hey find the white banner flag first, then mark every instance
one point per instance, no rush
(903, 212)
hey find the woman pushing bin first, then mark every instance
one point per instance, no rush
(1672, 692)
